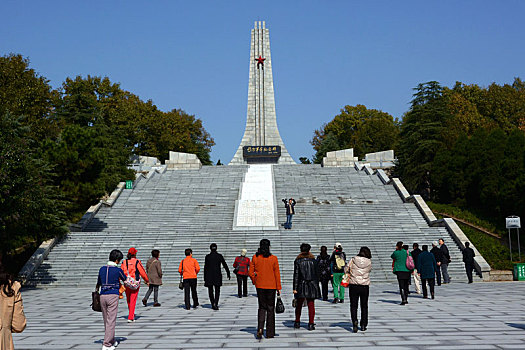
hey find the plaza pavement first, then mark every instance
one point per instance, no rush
(477, 316)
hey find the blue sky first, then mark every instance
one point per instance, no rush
(194, 55)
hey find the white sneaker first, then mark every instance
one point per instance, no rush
(131, 321)
(116, 343)
(108, 347)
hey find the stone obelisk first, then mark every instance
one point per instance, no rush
(261, 131)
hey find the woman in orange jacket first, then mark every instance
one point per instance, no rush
(132, 267)
(189, 268)
(264, 273)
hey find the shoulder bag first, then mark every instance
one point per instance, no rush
(410, 262)
(130, 282)
(279, 306)
(181, 285)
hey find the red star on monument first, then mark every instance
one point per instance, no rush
(260, 61)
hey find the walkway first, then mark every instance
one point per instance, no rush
(477, 316)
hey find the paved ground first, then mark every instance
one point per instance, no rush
(477, 316)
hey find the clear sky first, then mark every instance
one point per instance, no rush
(194, 55)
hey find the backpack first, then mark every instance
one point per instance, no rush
(130, 282)
(410, 262)
(339, 262)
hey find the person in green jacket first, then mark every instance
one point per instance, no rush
(401, 271)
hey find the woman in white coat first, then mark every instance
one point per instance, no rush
(358, 269)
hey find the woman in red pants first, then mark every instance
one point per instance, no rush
(305, 285)
(132, 267)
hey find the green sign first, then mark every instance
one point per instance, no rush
(519, 272)
(129, 184)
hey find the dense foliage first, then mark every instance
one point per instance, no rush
(61, 150)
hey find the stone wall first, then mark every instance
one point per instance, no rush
(180, 160)
(342, 158)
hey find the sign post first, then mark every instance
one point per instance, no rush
(129, 184)
(513, 222)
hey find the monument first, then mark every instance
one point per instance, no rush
(261, 142)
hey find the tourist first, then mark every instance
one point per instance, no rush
(405, 247)
(415, 253)
(189, 268)
(265, 275)
(445, 262)
(468, 259)
(213, 275)
(399, 257)
(337, 266)
(358, 269)
(12, 317)
(290, 211)
(241, 266)
(108, 282)
(427, 268)
(154, 271)
(305, 284)
(133, 268)
(325, 273)
(438, 255)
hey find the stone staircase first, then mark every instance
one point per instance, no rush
(174, 210)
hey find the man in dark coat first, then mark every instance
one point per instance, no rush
(290, 211)
(213, 275)
(305, 284)
(438, 255)
(427, 268)
(325, 271)
(468, 259)
(446, 260)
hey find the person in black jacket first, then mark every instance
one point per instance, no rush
(325, 272)
(290, 211)
(417, 280)
(446, 260)
(468, 259)
(213, 275)
(305, 285)
(438, 254)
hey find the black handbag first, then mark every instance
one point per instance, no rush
(95, 304)
(279, 306)
(181, 285)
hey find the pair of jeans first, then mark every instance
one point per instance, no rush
(444, 270)
(214, 297)
(190, 283)
(359, 293)
(266, 312)
(430, 282)
(339, 290)
(311, 309)
(131, 298)
(324, 288)
(288, 223)
(155, 289)
(438, 275)
(403, 277)
(109, 305)
(242, 286)
(469, 268)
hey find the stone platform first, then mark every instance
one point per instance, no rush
(477, 316)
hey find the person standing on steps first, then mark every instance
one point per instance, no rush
(399, 257)
(213, 275)
(241, 266)
(189, 268)
(305, 284)
(445, 262)
(337, 265)
(438, 255)
(427, 268)
(290, 211)
(154, 271)
(358, 269)
(325, 273)
(265, 275)
(12, 317)
(133, 268)
(415, 253)
(108, 282)
(468, 259)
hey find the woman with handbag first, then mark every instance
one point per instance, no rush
(109, 277)
(241, 266)
(133, 270)
(358, 272)
(264, 273)
(12, 317)
(400, 269)
(305, 285)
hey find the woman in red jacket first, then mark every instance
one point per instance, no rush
(132, 267)
(264, 273)
(241, 265)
